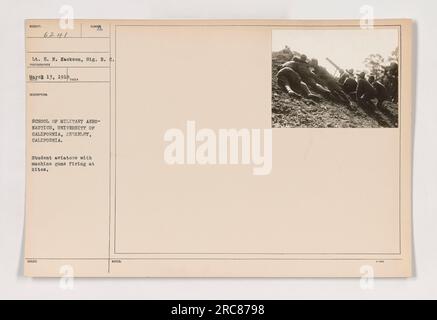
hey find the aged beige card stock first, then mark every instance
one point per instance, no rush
(231, 148)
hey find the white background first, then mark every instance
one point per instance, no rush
(12, 132)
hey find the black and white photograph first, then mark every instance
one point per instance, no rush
(335, 78)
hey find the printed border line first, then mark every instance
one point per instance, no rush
(269, 26)
(231, 259)
(110, 147)
(56, 38)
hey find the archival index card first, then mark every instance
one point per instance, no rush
(231, 148)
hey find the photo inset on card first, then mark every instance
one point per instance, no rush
(335, 78)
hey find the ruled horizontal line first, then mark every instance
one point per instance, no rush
(242, 259)
(69, 67)
(67, 81)
(67, 52)
(67, 38)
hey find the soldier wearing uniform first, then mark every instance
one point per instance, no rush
(329, 81)
(291, 82)
(365, 91)
(307, 76)
(381, 90)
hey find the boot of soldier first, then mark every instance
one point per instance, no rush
(315, 97)
(294, 95)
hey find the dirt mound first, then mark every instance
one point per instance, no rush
(304, 113)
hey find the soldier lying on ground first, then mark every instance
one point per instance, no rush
(381, 91)
(344, 75)
(365, 92)
(349, 84)
(330, 82)
(291, 82)
(302, 58)
(300, 66)
(390, 81)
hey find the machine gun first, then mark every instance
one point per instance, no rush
(337, 68)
